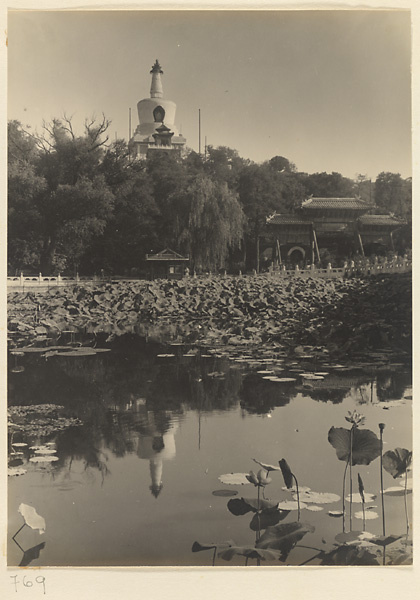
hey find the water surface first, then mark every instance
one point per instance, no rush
(134, 483)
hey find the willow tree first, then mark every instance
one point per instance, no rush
(215, 223)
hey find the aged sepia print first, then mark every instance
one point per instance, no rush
(209, 288)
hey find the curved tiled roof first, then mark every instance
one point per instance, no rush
(380, 220)
(338, 203)
(280, 219)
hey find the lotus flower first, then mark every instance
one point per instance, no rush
(355, 418)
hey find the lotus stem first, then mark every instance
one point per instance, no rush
(297, 495)
(214, 556)
(351, 480)
(344, 493)
(20, 529)
(382, 486)
(364, 518)
(405, 502)
(246, 560)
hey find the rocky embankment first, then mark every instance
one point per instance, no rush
(345, 318)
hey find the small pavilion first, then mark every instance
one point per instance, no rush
(167, 264)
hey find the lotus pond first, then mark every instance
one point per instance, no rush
(143, 454)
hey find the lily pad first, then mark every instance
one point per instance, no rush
(368, 515)
(16, 471)
(19, 444)
(335, 513)
(357, 498)
(290, 505)
(314, 507)
(318, 497)
(224, 493)
(234, 478)
(43, 459)
(396, 491)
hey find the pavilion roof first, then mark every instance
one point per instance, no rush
(335, 203)
(380, 220)
(283, 219)
(166, 254)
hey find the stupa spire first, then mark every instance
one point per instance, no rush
(156, 89)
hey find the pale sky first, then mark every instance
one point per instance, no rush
(329, 90)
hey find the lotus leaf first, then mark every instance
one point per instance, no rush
(249, 552)
(224, 493)
(396, 491)
(365, 448)
(353, 537)
(32, 518)
(286, 472)
(266, 466)
(367, 515)
(318, 497)
(197, 547)
(15, 471)
(381, 540)
(265, 519)
(290, 505)
(349, 555)
(314, 507)
(397, 461)
(241, 506)
(43, 459)
(234, 478)
(335, 513)
(284, 537)
(357, 498)
(293, 489)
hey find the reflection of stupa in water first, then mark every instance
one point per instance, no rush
(157, 446)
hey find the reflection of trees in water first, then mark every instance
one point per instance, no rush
(391, 386)
(259, 396)
(122, 398)
(335, 396)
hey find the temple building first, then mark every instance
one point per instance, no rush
(156, 129)
(340, 226)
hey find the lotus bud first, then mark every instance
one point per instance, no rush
(381, 427)
(252, 478)
(263, 478)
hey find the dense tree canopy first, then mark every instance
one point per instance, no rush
(78, 202)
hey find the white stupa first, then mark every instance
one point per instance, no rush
(156, 129)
